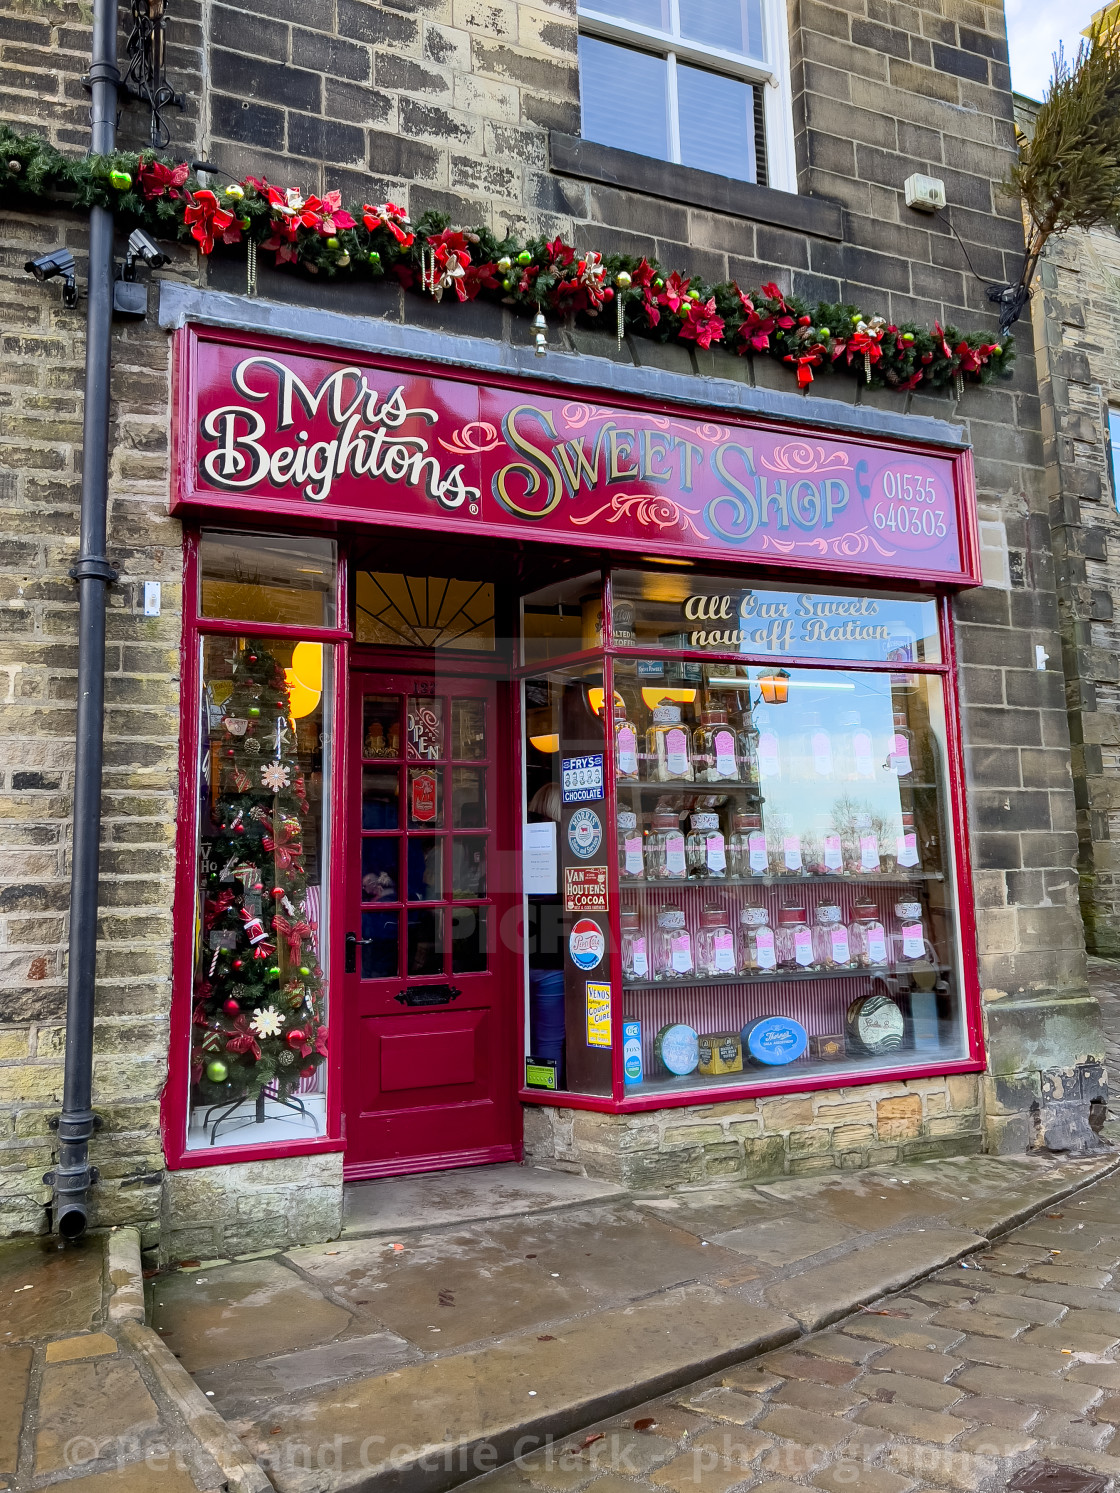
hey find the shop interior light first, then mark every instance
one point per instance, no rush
(550, 743)
(305, 679)
(596, 695)
(774, 687)
(653, 697)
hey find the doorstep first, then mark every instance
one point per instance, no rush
(397, 1362)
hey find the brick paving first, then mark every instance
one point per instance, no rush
(1005, 1359)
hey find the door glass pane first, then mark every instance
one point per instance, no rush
(424, 735)
(716, 123)
(425, 868)
(468, 940)
(624, 98)
(380, 869)
(468, 865)
(732, 25)
(381, 729)
(425, 941)
(379, 949)
(380, 799)
(425, 797)
(468, 798)
(468, 729)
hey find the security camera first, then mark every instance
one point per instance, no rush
(140, 246)
(57, 262)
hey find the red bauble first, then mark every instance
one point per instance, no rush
(258, 886)
(308, 1071)
(296, 1037)
(237, 964)
(277, 891)
(252, 658)
(231, 1008)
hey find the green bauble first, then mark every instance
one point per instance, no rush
(305, 970)
(217, 1071)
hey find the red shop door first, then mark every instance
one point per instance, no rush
(428, 1072)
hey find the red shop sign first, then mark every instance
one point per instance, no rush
(283, 428)
(422, 786)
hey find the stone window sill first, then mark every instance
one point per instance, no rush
(572, 156)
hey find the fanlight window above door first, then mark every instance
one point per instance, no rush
(424, 611)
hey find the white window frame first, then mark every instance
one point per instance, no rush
(781, 171)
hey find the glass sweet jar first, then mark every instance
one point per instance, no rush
(635, 958)
(705, 848)
(665, 849)
(831, 945)
(625, 745)
(910, 940)
(672, 945)
(668, 746)
(867, 938)
(746, 847)
(715, 942)
(756, 941)
(715, 756)
(794, 941)
(631, 856)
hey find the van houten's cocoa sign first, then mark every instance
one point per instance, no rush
(281, 428)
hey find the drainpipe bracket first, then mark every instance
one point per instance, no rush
(93, 568)
(101, 72)
(79, 1125)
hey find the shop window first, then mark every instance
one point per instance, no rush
(682, 80)
(268, 578)
(425, 611)
(259, 987)
(563, 618)
(755, 883)
(1114, 451)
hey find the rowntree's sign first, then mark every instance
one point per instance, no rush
(281, 429)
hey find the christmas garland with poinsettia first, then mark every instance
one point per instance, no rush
(620, 292)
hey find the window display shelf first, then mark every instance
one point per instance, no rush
(786, 977)
(810, 878)
(685, 785)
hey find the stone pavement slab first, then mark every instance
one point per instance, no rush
(397, 1430)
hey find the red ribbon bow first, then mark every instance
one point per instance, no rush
(295, 933)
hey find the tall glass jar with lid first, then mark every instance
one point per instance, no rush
(625, 744)
(635, 956)
(794, 941)
(631, 856)
(867, 937)
(715, 755)
(756, 940)
(672, 945)
(665, 849)
(705, 848)
(715, 942)
(831, 945)
(668, 746)
(746, 848)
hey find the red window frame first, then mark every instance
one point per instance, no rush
(618, 1102)
(175, 1100)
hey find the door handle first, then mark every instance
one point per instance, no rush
(352, 942)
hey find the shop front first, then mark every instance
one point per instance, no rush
(546, 747)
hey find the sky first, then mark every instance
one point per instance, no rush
(1034, 29)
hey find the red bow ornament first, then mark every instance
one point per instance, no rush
(208, 220)
(806, 361)
(294, 933)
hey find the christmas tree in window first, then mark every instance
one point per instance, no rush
(258, 998)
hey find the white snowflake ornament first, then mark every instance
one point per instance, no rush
(267, 1023)
(275, 777)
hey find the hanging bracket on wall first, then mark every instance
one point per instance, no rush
(144, 77)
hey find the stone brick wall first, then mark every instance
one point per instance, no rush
(448, 104)
(1077, 327)
(751, 1140)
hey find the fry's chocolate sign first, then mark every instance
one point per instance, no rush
(279, 429)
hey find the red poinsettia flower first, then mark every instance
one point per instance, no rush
(475, 277)
(942, 346)
(388, 215)
(972, 359)
(560, 253)
(675, 292)
(701, 324)
(324, 214)
(208, 220)
(643, 279)
(155, 179)
(583, 289)
(321, 1041)
(759, 326)
(285, 232)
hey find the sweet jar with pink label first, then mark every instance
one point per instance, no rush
(715, 942)
(668, 745)
(794, 941)
(910, 939)
(672, 945)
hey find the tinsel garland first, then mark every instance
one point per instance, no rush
(621, 293)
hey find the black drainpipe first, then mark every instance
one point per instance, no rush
(73, 1176)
